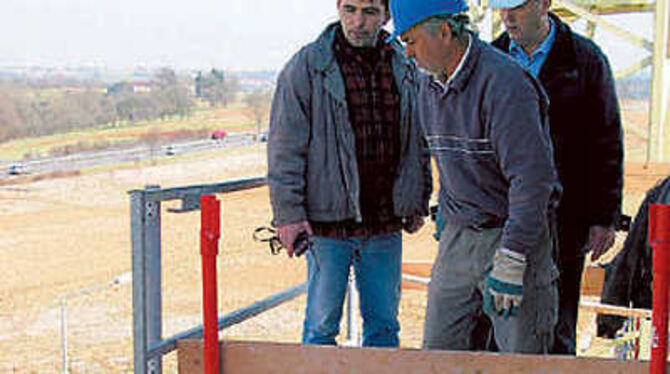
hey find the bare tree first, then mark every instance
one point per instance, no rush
(152, 138)
(215, 88)
(259, 104)
(9, 118)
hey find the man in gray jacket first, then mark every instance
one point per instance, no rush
(348, 165)
(486, 123)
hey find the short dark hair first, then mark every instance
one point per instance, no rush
(385, 3)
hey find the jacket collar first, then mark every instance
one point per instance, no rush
(561, 56)
(325, 57)
(461, 79)
(324, 62)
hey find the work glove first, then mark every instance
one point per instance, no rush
(503, 290)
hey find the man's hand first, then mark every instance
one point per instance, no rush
(601, 238)
(412, 224)
(503, 291)
(288, 232)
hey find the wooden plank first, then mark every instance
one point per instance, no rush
(413, 286)
(263, 357)
(416, 269)
(413, 282)
(420, 269)
(593, 278)
(614, 310)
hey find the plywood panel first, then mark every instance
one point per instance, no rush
(593, 278)
(257, 358)
(420, 269)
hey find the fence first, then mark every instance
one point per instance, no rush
(149, 346)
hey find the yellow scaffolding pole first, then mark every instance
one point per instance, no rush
(659, 133)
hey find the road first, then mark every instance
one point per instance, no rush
(86, 160)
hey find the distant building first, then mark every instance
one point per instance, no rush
(129, 87)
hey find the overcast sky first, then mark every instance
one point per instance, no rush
(191, 34)
(235, 34)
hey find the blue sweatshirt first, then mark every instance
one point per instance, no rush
(488, 131)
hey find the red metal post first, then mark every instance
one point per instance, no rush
(659, 239)
(209, 249)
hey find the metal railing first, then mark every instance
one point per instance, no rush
(149, 346)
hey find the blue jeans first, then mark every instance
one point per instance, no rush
(377, 265)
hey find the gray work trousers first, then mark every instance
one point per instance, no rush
(457, 283)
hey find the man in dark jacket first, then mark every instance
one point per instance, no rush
(348, 165)
(628, 278)
(586, 132)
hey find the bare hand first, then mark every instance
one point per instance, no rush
(288, 232)
(412, 224)
(601, 238)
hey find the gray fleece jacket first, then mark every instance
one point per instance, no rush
(488, 130)
(312, 167)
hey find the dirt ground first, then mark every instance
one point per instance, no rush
(64, 235)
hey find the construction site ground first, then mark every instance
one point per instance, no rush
(61, 235)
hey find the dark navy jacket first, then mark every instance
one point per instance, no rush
(628, 278)
(585, 126)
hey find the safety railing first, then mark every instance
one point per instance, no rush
(149, 346)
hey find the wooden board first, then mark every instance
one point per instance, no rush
(614, 310)
(420, 269)
(257, 358)
(593, 278)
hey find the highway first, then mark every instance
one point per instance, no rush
(87, 160)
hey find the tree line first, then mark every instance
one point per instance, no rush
(29, 109)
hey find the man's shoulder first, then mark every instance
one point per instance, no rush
(314, 54)
(584, 49)
(499, 64)
(502, 42)
(500, 76)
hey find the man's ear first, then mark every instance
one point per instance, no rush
(387, 17)
(445, 31)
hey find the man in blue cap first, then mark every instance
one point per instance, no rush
(586, 132)
(348, 166)
(486, 122)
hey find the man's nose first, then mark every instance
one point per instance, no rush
(359, 19)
